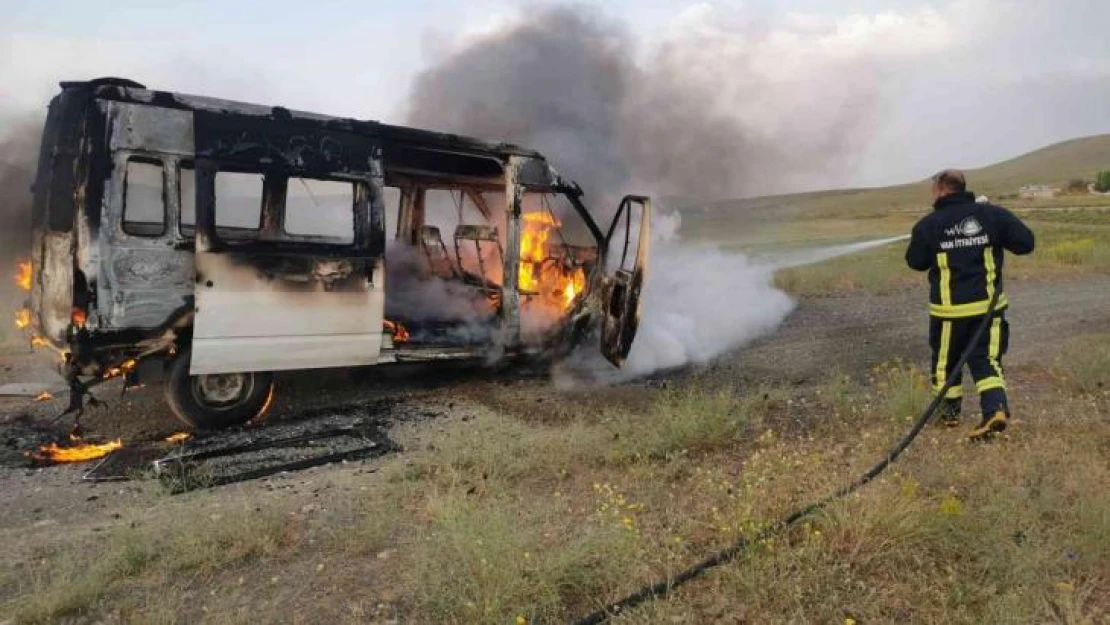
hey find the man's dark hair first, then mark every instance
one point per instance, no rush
(951, 180)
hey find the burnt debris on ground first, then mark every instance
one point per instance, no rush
(186, 462)
(255, 453)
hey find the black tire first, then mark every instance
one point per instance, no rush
(216, 402)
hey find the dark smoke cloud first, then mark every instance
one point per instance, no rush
(19, 148)
(557, 82)
(565, 80)
(19, 143)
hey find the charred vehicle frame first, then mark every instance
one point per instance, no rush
(142, 269)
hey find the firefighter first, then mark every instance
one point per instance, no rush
(961, 245)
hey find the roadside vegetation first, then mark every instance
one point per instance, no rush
(503, 518)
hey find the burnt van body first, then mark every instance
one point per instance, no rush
(210, 243)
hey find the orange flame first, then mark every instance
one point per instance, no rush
(80, 452)
(258, 418)
(39, 341)
(125, 367)
(540, 271)
(78, 317)
(23, 274)
(44, 396)
(23, 318)
(400, 334)
(178, 437)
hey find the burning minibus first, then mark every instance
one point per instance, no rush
(206, 244)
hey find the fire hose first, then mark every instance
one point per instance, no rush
(660, 589)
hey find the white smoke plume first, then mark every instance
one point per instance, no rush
(415, 294)
(700, 302)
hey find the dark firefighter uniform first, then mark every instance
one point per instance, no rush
(961, 245)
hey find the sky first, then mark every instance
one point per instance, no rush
(927, 85)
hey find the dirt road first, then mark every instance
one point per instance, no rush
(853, 334)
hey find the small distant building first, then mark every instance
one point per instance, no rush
(1038, 191)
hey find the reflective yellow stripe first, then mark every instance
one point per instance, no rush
(988, 262)
(987, 384)
(971, 309)
(941, 375)
(996, 347)
(955, 392)
(945, 279)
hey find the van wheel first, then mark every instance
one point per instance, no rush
(218, 401)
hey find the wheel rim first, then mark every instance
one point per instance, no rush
(222, 391)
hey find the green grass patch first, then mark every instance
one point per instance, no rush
(687, 420)
(1063, 249)
(905, 389)
(1099, 216)
(492, 450)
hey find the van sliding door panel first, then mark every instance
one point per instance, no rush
(305, 289)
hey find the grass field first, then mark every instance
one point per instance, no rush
(1064, 249)
(506, 520)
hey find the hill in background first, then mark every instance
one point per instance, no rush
(1053, 165)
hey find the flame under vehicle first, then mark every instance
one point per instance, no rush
(210, 243)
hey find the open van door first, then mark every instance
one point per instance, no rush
(626, 245)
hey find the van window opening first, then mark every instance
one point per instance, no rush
(469, 243)
(144, 198)
(238, 201)
(320, 208)
(391, 200)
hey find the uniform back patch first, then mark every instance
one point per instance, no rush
(968, 227)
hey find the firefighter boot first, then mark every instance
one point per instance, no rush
(990, 425)
(949, 412)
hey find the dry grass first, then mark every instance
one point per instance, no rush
(498, 519)
(1014, 532)
(1083, 365)
(78, 580)
(492, 560)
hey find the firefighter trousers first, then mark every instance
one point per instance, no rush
(949, 337)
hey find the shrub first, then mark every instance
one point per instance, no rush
(905, 388)
(1102, 182)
